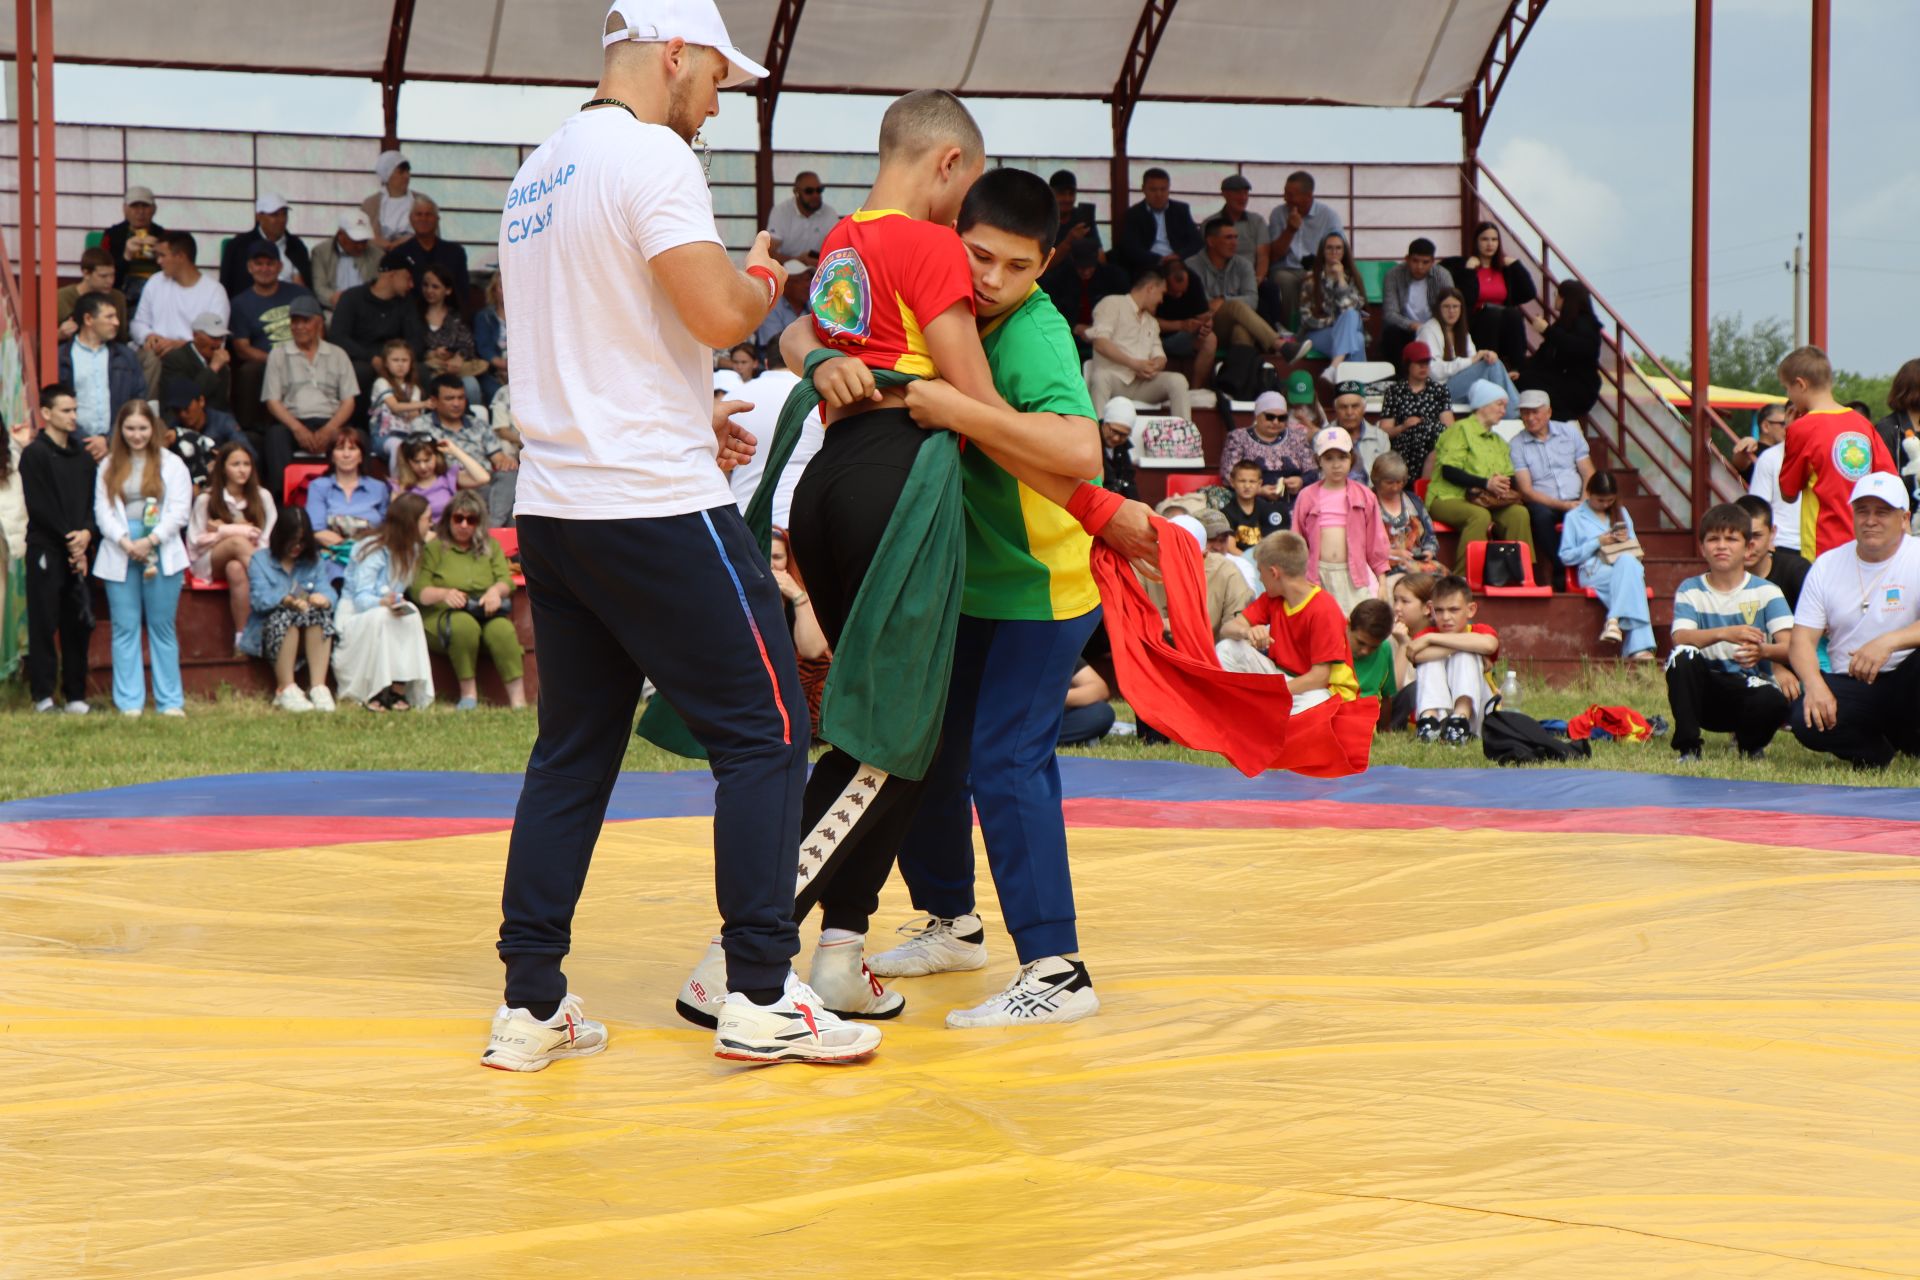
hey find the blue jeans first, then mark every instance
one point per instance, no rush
(1460, 385)
(1008, 695)
(1623, 590)
(155, 601)
(1347, 338)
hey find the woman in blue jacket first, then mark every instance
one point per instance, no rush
(293, 597)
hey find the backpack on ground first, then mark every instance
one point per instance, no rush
(1511, 738)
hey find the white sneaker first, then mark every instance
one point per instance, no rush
(796, 1028)
(521, 1042)
(934, 945)
(46, 704)
(77, 708)
(847, 986)
(291, 699)
(705, 989)
(1051, 989)
(178, 713)
(132, 713)
(322, 698)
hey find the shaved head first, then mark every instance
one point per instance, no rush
(927, 120)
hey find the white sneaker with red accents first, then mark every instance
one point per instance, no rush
(843, 981)
(521, 1042)
(798, 1027)
(704, 989)
(1050, 989)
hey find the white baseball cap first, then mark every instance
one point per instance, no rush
(269, 202)
(695, 21)
(1328, 439)
(354, 223)
(1881, 485)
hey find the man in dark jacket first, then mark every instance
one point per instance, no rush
(106, 374)
(56, 478)
(426, 247)
(133, 241)
(1076, 282)
(370, 314)
(1158, 229)
(269, 224)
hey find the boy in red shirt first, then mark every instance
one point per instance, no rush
(1450, 660)
(1294, 629)
(1829, 449)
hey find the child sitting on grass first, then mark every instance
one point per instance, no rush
(1411, 592)
(1293, 629)
(1450, 660)
(1369, 636)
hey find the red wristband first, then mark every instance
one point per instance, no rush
(1094, 507)
(773, 285)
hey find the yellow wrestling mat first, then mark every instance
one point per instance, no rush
(1322, 1053)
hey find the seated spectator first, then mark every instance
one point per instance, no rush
(1293, 628)
(1409, 297)
(1472, 487)
(1566, 365)
(1456, 361)
(309, 394)
(1232, 291)
(348, 258)
(1090, 715)
(809, 640)
(1077, 282)
(1128, 358)
(1236, 192)
(792, 305)
(204, 361)
(1784, 569)
(1495, 288)
(1551, 467)
(1282, 446)
(134, 244)
(490, 334)
(389, 210)
(229, 522)
(1227, 589)
(261, 321)
(1769, 450)
(186, 410)
(1252, 512)
(1829, 448)
(449, 343)
(1187, 331)
(1333, 306)
(745, 359)
(293, 597)
(1451, 660)
(381, 662)
(103, 373)
(1370, 443)
(1077, 221)
(1157, 229)
(57, 484)
(96, 276)
(1900, 429)
(1412, 544)
(1729, 628)
(506, 429)
(463, 588)
(169, 303)
(370, 315)
(1299, 225)
(346, 502)
(1599, 537)
(427, 248)
(1863, 597)
(1340, 519)
(1414, 413)
(294, 265)
(1369, 628)
(436, 470)
(451, 419)
(191, 446)
(140, 504)
(1220, 541)
(798, 227)
(1116, 447)
(398, 400)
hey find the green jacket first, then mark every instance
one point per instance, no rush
(1472, 446)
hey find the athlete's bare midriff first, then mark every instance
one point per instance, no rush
(890, 398)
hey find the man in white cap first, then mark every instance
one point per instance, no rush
(1551, 467)
(133, 242)
(170, 302)
(269, 224)
(348, 258)
(639, 564)
(1117, 417)
(1864, 598)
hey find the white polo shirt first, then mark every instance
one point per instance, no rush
(613, 395)
(1766, 484)
(1854, 602)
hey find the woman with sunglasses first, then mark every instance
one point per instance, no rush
(464, 588)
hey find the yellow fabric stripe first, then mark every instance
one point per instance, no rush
(1062, 547)
(1810, 516)
(916, 361)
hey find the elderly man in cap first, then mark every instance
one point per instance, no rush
(203, 360)
(269, 224)
(1116, 446)
(134, 242)
(309, 393)
(1863, 598)
(369, 315)
(1551, 466)
(426, 247)
(348, 258)
(261, 322)
(1473, 487)
(171, 302)
(1235, 192)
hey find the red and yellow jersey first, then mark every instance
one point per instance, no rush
(1826, 455)
(1305, 635)
(882, 277)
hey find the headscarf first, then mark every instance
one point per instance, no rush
(389, 161)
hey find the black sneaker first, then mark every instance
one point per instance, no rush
(1745, 754)
(1428, 728)
(1457, 731)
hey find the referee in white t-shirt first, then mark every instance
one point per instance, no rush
(638, 563)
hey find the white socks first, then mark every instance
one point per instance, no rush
(840, 935)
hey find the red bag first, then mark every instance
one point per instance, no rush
(1622, 723)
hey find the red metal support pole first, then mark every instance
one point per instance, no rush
(1817, 177)
(27, 294)
(48, 157)
(1702, 137)
(1469, 166)
(393, 71)
(786, 23)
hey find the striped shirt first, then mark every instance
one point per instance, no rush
(1754, 603)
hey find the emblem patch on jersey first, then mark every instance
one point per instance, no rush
(1852, 455)
(842, 296)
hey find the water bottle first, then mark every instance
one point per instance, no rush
(149, 517)
(1510, 690)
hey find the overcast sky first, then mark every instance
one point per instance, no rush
(1592, 133)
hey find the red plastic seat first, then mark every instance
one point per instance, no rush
(509, 540)
(1477, 573)
(1420, 492)
(195, 583)
(293, 490)
(1179, 482)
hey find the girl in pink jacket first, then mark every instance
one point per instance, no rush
(1346, 540)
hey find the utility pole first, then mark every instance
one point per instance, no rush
(1799, 274)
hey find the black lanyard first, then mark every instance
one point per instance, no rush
(608, 102)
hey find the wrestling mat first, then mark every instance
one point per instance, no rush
(1411, 1024)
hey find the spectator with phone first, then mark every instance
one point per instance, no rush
(1599, 537)
(464, 588)
(381, 660)
(1078, 221)
(292, 597)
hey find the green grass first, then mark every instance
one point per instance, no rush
(58, 754)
